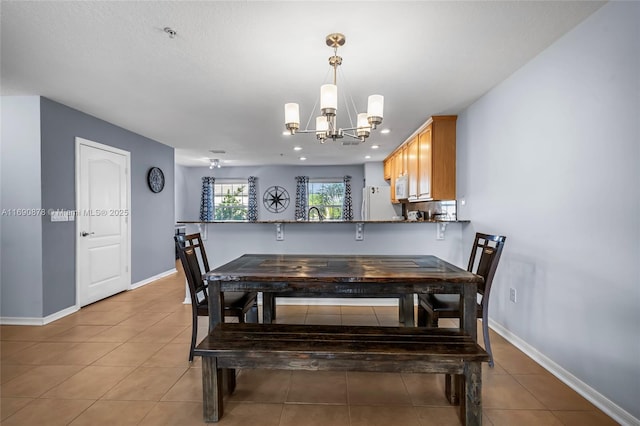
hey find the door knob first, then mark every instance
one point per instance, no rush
(84, 234)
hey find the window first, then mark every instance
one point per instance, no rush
(328, 196)
(231, 200)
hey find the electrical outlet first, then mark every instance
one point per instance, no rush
(513, 295)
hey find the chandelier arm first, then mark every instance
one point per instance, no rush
(352, 135)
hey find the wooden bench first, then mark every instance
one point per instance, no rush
(323, 347)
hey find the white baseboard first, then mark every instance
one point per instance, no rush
(38, 321)
(603, 403)
(152, 279)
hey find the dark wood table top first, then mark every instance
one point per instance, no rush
(344, 274)
(389, 269)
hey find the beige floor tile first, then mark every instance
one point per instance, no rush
(323, 319)
(50, 412)
(554, 394)
(39, 380)
(29, 333)
(90, 383)
(359, 320)
(170, 355)
(291, 319)
(357, 310)
(514, 361)
(129, 354)
(114, 413)
(40, 353)
(11, 371)
(8, 347)
(161, 306)
(376, 389)
(389, 320)
(145, 384)
(8, 406)
(380, 415)
(94, 317)
(318, 387)
(439, 416)
(181, 317)
(116, 333)
(584, 418)
(426, 389)
(79, 333)
(172, 413)
(315, 415)
(503, 391)
(84, 353)
(391, 311)
(324, 310)
(156, 334)
(262, 386)
(522, 417)
(144, 320)
(187, 388)
(287, 310)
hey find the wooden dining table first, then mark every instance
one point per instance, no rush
(344, 274)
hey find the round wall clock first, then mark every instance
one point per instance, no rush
(276, 199)
(155, 179)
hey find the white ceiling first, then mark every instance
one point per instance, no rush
(221, 83)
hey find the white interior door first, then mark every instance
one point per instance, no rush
(102, 221)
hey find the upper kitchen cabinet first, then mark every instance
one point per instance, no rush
(428, 159)
(437, 164)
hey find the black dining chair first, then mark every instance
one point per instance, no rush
(236, 304)
(432, 307)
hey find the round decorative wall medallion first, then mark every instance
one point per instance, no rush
(155, 179)
(276, 199)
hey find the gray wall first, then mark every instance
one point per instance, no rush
(268, 176)
(152, 215)
(21, 260)
(226, 241)
(550, 158)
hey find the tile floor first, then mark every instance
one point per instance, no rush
(123, 361)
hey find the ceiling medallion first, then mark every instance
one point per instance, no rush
(326, 126)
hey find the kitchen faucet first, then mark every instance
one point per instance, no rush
(320, 217)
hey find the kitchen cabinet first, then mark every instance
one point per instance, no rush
(437, 150)
(428, 158)
(413, 167)
(387, 169)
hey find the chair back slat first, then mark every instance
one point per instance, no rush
(195, 241)
(191, 266)
(490, 249)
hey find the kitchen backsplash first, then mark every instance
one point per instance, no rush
(434, 210)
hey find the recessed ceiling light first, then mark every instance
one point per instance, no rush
(286, 133)
(367, 157)
(297, 148)
(375, 146)
(303, 158)
(385, 131)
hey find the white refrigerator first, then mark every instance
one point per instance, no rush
(376, 203)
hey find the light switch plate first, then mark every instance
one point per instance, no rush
(59, 216)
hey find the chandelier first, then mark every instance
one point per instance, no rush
(326, 126)
(215, 164)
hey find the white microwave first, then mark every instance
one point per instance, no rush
(402, 188)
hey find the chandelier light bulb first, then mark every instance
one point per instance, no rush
(329, 99)
(375, 110)
(292, 117)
